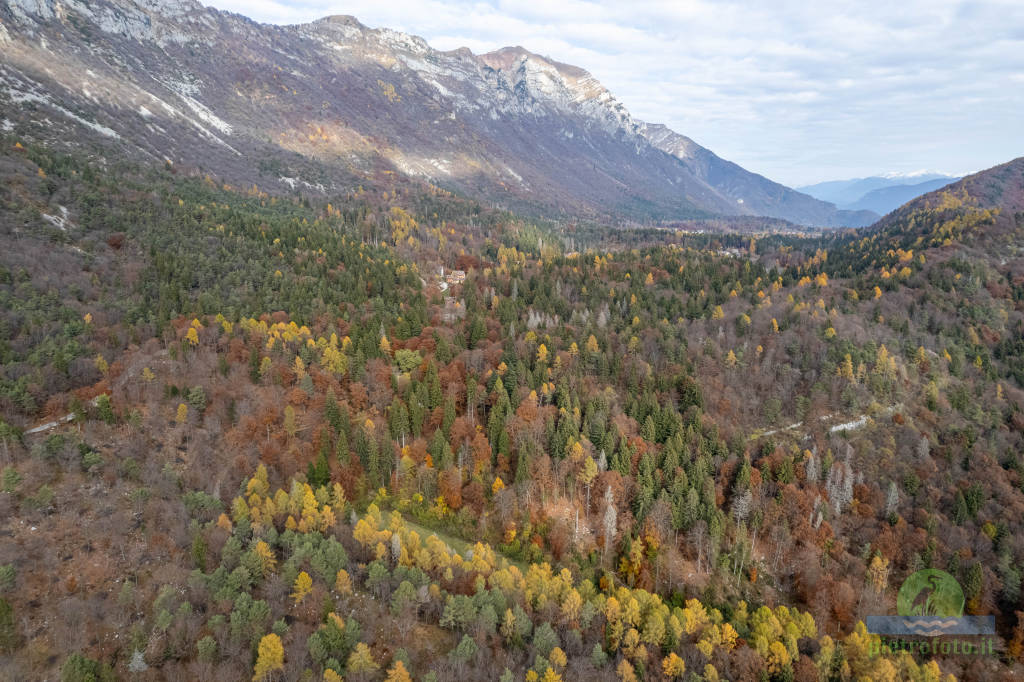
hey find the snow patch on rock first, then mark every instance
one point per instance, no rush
(25, 10)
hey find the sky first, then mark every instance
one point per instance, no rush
(799, 91)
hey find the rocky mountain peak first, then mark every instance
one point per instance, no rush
(341, 20)
(566, 87)
(180, 81)
(666, 139)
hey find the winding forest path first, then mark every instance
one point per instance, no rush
(56, 422)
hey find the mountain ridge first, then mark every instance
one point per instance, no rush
(751, 189)
(364, 100)
(886, 199)
(848, 193)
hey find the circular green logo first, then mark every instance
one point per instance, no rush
(930, 592)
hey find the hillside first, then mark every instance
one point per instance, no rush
(953, 246)
(657, 446)
(174, 80)
(979, 212)
(1001, 187)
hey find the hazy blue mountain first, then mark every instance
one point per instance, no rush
(847, 194)
(886, 199)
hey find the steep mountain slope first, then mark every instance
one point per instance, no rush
(752, 192)
(885, 199)
(170, 79)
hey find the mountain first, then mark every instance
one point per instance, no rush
(886, 199)
(856, 193)
(752, 192)
(171, 79)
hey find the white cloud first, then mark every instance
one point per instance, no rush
(797, 91)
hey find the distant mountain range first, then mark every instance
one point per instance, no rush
(880, 193)
(174, 80)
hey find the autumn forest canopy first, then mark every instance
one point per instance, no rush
(392, 433)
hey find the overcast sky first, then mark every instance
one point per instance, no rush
(799, 91)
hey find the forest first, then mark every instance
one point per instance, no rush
(295, 450)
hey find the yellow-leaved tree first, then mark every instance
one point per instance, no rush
(398, 673)
(360, 661)
(626, 672)
(551, 676)
(673, 666)
(542, 353)
(266, 557)
(270, 657)
(587, 477)
(342, 582)
(303, 585)
(558, 658)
